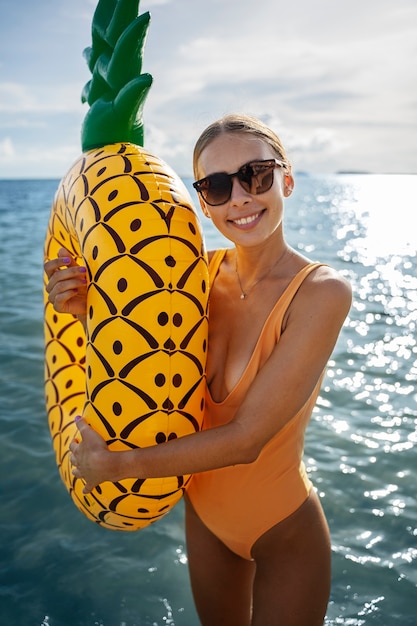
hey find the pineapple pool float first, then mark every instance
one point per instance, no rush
(138, 373)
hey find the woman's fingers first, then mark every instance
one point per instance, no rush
(67, 284)
(71, 278)
(65, 291)
(63, 260)
(87, 456)
(52, 266)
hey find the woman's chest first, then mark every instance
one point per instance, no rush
(235, 330)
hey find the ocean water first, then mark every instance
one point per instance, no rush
(59, 569)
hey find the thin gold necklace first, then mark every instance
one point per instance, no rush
(244, 294)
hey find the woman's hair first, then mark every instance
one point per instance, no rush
(239, 123)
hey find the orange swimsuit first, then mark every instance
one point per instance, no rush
(240, 503)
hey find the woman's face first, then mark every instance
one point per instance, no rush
(245, 219)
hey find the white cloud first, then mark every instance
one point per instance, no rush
(20, 98)
(18, 160)
(343, 77)
(7, 151)
(316, 140)
(15, 97)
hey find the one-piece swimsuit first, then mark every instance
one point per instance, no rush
(240, 503)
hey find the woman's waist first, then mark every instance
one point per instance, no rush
(242, 485)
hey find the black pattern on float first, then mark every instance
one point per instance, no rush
(139, 375)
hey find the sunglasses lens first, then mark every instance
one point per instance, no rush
(216, 189)
(257, 177)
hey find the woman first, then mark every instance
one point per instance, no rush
(258, 543)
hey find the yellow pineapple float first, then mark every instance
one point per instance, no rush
(138, 374)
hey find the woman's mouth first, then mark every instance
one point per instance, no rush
(247, 221)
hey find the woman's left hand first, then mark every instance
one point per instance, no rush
(91, 458)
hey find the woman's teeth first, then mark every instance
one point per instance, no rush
(246, 220)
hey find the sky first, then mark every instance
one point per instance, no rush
(336, 79)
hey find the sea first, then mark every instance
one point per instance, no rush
(59, 569)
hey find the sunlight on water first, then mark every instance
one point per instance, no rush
(380, 213)
(368, 405)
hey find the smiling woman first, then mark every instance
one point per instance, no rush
(263, 378)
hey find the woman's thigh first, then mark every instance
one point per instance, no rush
(220, 579)
(292, 582)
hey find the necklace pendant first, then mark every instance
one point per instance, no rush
(242, 296)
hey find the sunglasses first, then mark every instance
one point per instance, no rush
(255, 177)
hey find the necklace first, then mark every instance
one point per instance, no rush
(244, 294)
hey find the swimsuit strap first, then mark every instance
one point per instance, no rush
(215, 262)
(296, 283)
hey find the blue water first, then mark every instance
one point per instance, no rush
(59, 569)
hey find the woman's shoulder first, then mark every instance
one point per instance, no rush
(322, 303)
(327, 285)
(327, 277)
(320, 278)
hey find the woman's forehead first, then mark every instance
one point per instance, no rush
(229, 151)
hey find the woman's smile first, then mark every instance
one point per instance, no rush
(248, 221)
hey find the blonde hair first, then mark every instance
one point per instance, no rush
(239, 123)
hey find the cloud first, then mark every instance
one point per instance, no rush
(316, 140)
(323, 52)
(21, 98)
(7, 151)
(36, 161)
(15, 97)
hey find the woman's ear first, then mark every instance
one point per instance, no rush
(288, 184)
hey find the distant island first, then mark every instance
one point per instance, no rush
(355, 172)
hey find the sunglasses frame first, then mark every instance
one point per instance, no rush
(273, 163)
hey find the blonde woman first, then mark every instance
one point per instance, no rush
(258, 542)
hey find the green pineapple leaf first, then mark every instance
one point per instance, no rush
(117, 91)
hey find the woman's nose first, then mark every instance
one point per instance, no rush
(239, 195)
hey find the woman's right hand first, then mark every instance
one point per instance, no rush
(67, 285)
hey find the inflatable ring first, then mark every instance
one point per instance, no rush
(139, 374)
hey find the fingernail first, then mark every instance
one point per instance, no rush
(82, 270)
(77, 419)
(66, 260)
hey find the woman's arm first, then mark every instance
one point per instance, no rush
(279, 391)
